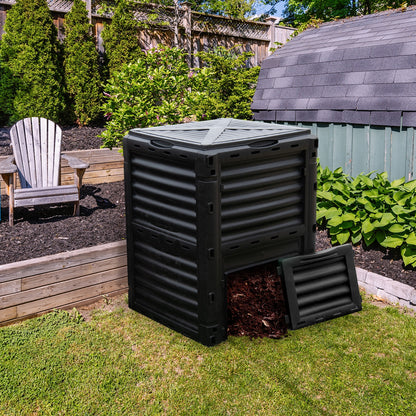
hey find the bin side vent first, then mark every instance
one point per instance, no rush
(164, 282)
(260, 197)
(163, 195)
(320, 286)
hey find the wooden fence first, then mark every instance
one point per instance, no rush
(65, 280)
(182, 27)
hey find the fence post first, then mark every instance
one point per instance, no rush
(89, 10)
(272, 32)
(187, 24)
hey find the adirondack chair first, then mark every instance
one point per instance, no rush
(36, 158)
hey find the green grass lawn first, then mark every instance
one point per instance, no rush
(121, 363)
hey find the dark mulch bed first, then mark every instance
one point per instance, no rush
(41, 231)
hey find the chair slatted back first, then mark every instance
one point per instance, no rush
(37, 146)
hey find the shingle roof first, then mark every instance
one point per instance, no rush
(359, 70)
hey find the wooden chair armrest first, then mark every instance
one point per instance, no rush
(7, 166)
(75, 163)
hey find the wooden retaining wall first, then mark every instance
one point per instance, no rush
(105, 166)
(65, 280)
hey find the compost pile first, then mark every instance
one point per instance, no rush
(255, 301)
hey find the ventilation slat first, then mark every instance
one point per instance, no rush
(254, 195)
(321, 284)
(256, 182)
(319, 271)
(261, 206)
(323, 295)
(262, 218)
(323, 308)
(276, 165)
(148, 249)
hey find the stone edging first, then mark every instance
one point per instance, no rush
(388, 289)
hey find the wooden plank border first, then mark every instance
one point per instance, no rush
(105, 166)
(61, 281)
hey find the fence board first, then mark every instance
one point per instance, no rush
(195, 29)
(62, 280)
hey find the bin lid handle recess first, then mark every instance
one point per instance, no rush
(162, 144)
(264, 143)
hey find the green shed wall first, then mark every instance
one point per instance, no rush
(358, 148)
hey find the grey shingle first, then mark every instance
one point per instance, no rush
(405, 75)
(286, 115)
(356, 117)
(331, 56)
(357, 53)
(333, 103)
(329, 116)
(385, 118)
(376, 77)
(278, 71)
(301, 81)
(335, 90)
(306, 116)
(265, 115)
(381, 51)
(409, 119)
(308, 58)
(288, 104)
(283, 82)
(273, 93)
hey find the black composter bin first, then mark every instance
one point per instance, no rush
(207, 198)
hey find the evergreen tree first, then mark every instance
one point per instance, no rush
(31, 62)
(81, 65)
(121, 37)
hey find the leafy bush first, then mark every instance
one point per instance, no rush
(81, 65)
(368, 208)
(161, 89)
(149, 92)
(225, 86)
(31, 61)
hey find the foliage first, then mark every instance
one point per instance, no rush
(121, 37)
(224, 86)
(81, 65)
(161, 89)
(368, 209)
(122, 363)
(149, 92)
(300, 12)
(31, 61)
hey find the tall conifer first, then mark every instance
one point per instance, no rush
(31, 63)
(81, 65)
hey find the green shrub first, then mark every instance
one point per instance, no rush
(368, 208)
(149, 92)
(121, 37)
(81, 65)
(31, 61)
(224, 86)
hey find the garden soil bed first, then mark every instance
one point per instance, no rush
(255, 296)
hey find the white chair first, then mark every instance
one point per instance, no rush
(37, 160)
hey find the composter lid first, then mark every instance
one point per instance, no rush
(320, 286)
(220, 132)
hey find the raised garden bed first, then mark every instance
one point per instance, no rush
(63, 280)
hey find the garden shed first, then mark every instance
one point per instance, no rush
(353, 82)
